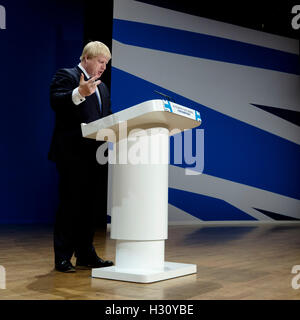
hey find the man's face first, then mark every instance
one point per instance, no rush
(95, 66)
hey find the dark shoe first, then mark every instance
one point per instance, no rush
(95, 262)
(64, 266)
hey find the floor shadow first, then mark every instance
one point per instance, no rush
(215, 235)
(58, 285)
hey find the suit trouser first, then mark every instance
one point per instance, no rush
(82, 206)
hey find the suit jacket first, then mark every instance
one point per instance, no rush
(67, 142)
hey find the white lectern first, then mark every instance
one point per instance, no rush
(139, 191)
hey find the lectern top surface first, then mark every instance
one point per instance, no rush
(148, 114)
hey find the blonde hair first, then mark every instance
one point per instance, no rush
(94, 49)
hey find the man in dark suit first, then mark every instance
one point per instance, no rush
(78, 96)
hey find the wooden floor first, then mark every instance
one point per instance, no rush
(234, 262)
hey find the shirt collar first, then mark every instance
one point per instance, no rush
(84, 71)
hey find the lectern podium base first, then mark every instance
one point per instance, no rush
(171, 270)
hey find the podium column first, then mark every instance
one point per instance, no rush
(139, 209)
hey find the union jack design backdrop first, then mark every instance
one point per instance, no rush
(246, 86)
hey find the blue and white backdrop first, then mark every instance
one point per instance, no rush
(245, 84)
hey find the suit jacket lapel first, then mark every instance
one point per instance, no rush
(94, 98)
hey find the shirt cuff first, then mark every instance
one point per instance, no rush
(77, 98)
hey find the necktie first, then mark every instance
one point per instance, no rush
(99, 98)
